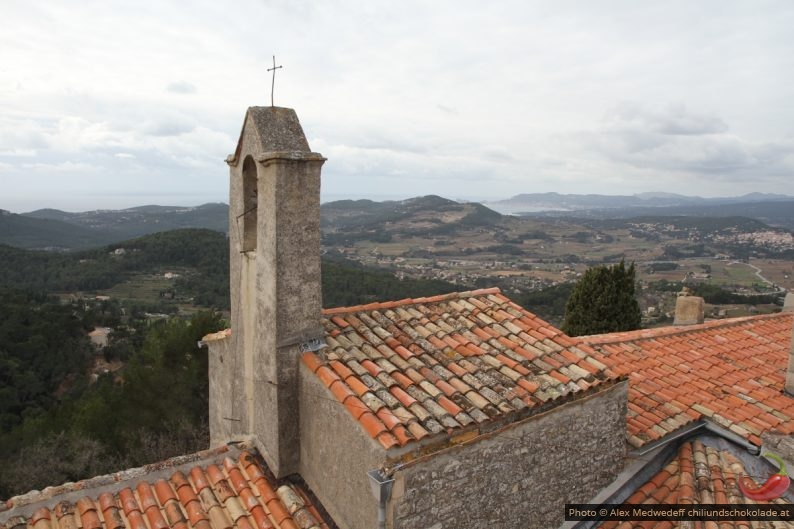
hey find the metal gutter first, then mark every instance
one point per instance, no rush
(681, 432)
(729, 435)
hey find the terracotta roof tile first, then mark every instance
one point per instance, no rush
(443, 362)
(448, 361)
(733, 375)
(697, 474)
(218, 493)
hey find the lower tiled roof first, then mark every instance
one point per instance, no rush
(220, 490)
(697, 475)
(413, 369)
(731, 372)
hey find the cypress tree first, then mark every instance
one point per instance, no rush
(603, 301)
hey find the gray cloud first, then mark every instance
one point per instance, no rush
(674, 140)
(417, 97)
(164, 127)
(497, 154)
(181, 87)
(672, 120)
(383, 141)
(22, 136)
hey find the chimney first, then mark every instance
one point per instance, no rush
(788, 306)
(274, 251)
(688, 309)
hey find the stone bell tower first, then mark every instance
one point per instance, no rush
(274, 244)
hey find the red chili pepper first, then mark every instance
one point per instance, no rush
(774, 487)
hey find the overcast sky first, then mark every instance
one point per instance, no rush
(109, 104)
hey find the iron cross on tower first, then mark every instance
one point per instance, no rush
(273, 83)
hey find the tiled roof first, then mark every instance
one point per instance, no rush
(411, 369)
(221, 489)
(731, 372)
(220, 335)
(699, 475)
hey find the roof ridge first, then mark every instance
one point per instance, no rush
(84, 485)
(412, 301)
(236, 473)
(673, 330)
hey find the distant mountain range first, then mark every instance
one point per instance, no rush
(773, 209)
(779, 213)
(535, 202)
(55, 229)
(59, 230)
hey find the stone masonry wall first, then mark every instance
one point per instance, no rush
(225, 392)
(521, 477)
(336, 454)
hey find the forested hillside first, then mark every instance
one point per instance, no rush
(57, 422)
(154, 408)
(42, 343)
(205, 250)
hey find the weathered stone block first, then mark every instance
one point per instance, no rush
(688, 310)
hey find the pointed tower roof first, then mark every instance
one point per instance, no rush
(278, 129)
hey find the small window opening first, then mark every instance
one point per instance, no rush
(250, 202)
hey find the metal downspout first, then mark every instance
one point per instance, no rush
(381, 486)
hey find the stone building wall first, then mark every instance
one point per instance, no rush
(226, 392)
(336, 454)
(522, 476)
(779, 444)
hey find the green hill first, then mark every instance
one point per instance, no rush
(122, 224)
(348, 215)
(347, 221)
(47, 233)
(52, 229)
